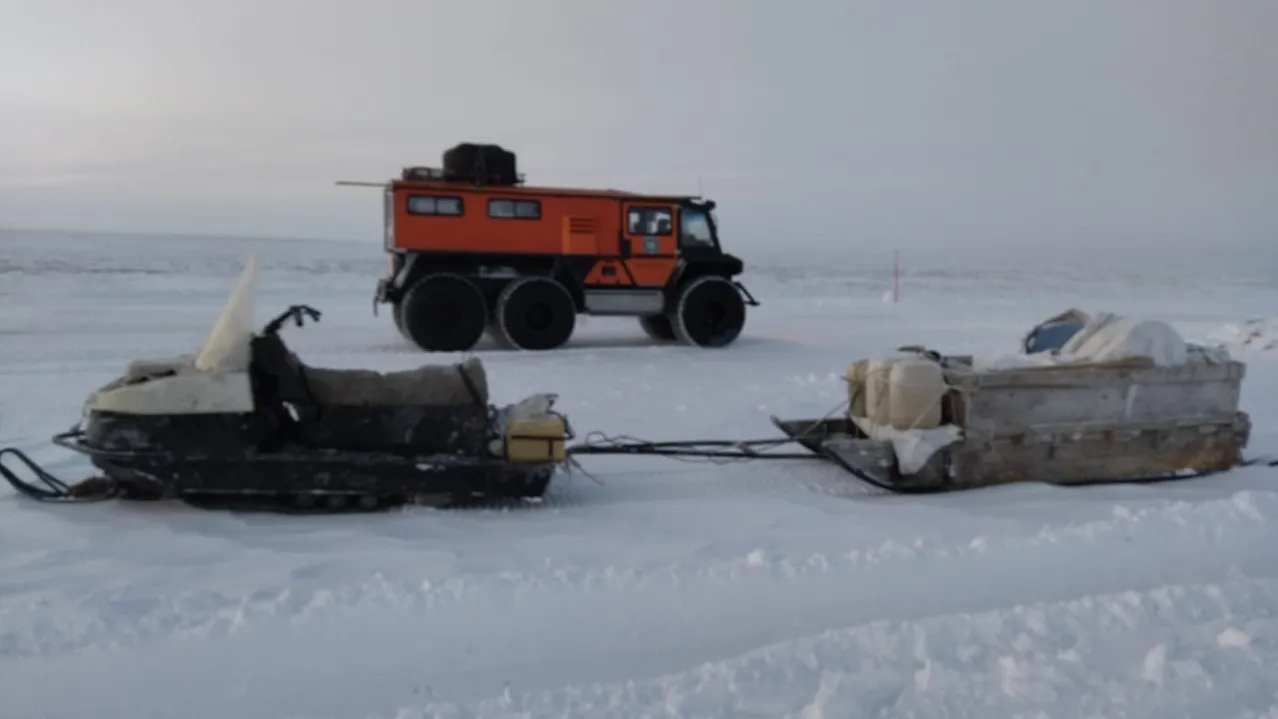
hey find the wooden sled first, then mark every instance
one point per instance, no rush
(1070, 424)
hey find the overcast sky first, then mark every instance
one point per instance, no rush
(810, 121)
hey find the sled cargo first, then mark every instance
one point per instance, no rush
(1076, 423)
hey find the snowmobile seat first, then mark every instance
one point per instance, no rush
(426, 386)
(429, 410)
(432, 409)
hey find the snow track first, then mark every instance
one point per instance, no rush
(674, 590)
(1170, 651)
(1041, 593)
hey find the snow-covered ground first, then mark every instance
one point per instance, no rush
(672, 590)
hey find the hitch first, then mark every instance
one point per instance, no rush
(750, 300)
(380, 294)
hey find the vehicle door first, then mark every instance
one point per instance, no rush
(649, 242)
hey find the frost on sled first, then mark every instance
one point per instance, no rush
(1088, 400)
(245, 418)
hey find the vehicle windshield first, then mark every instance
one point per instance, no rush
(694, 228)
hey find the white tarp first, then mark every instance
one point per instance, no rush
(1107, 337)
(912, 447)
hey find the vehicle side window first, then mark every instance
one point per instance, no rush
(515, 209)
(649, 221)
(434, 205)
(694, 228)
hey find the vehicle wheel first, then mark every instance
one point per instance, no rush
(710, 313)
(657, 327)
(444, 313)
(493, 328)
(499, 339)
(535, 313)
(397, 313)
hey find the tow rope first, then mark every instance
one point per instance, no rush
(727, 449)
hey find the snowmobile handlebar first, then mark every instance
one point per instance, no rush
(295, 312)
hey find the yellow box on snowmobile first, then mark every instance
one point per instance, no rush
(537, 439)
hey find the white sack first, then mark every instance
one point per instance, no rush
(1108, 337)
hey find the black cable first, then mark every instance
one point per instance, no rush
(723, 450)
(711, 449)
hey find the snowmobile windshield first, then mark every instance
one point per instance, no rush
(229, 343)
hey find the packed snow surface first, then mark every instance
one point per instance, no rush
(672, 589)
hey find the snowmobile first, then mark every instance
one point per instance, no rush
(246, 422)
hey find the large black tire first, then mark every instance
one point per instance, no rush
(657, 327)
(534, 313)
(397, 313)
(494, 332)
(444, 313)
(710, 313)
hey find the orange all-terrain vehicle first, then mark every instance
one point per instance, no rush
(472, 248)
